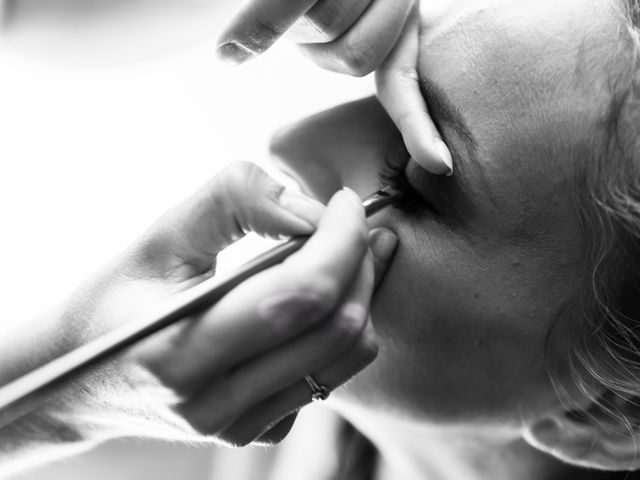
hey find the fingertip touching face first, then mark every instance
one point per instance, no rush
(520, 91)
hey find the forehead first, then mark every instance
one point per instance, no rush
(532, 81)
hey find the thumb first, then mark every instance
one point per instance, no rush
(383, 243)
(241, 198)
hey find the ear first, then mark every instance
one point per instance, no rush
(592, 437)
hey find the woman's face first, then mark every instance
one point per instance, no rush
(463, 314)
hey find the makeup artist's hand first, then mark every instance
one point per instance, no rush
(347, 36)
(234, 373)
(354, 37)
(238, 368)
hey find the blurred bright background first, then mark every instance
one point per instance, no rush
(110, 112)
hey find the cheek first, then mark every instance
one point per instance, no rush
(461, 336)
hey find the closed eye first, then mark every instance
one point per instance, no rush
(411, 202)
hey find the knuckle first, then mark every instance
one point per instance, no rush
(247, 177)
(259, 187)
(263, 33)
(349, 325)
(234, 170)
(237, 174)
(322, 291)
(248, 190)
(271, 190)
(404, 78)
(328, 19)
(231, 181)
(299, 312)
(359, 59)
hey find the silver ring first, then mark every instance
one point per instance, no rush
(318, 392)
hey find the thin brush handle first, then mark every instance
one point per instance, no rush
(13, 397)
(25, 393)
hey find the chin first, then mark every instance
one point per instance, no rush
(384, 393)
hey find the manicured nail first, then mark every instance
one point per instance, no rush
(352, 197)
(233, 53)
(303, 207)
(383, 243)
(445, 155)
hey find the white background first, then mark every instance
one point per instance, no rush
(110, 112)
(103, 127)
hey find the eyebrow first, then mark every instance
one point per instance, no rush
(445, 110)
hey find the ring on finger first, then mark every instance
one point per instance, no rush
(318, 392)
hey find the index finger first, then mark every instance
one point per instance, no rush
(257, 26)
(398, 87)
(268, 309)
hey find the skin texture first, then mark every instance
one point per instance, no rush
(484, 281)
(465, 310)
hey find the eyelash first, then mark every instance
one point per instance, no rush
(411, 202)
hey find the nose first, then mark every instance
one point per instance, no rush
(343, 146)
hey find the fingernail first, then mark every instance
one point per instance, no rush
(233, 53)
(303, 207)
(352, 197)
(445, 155)
(383, 243)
